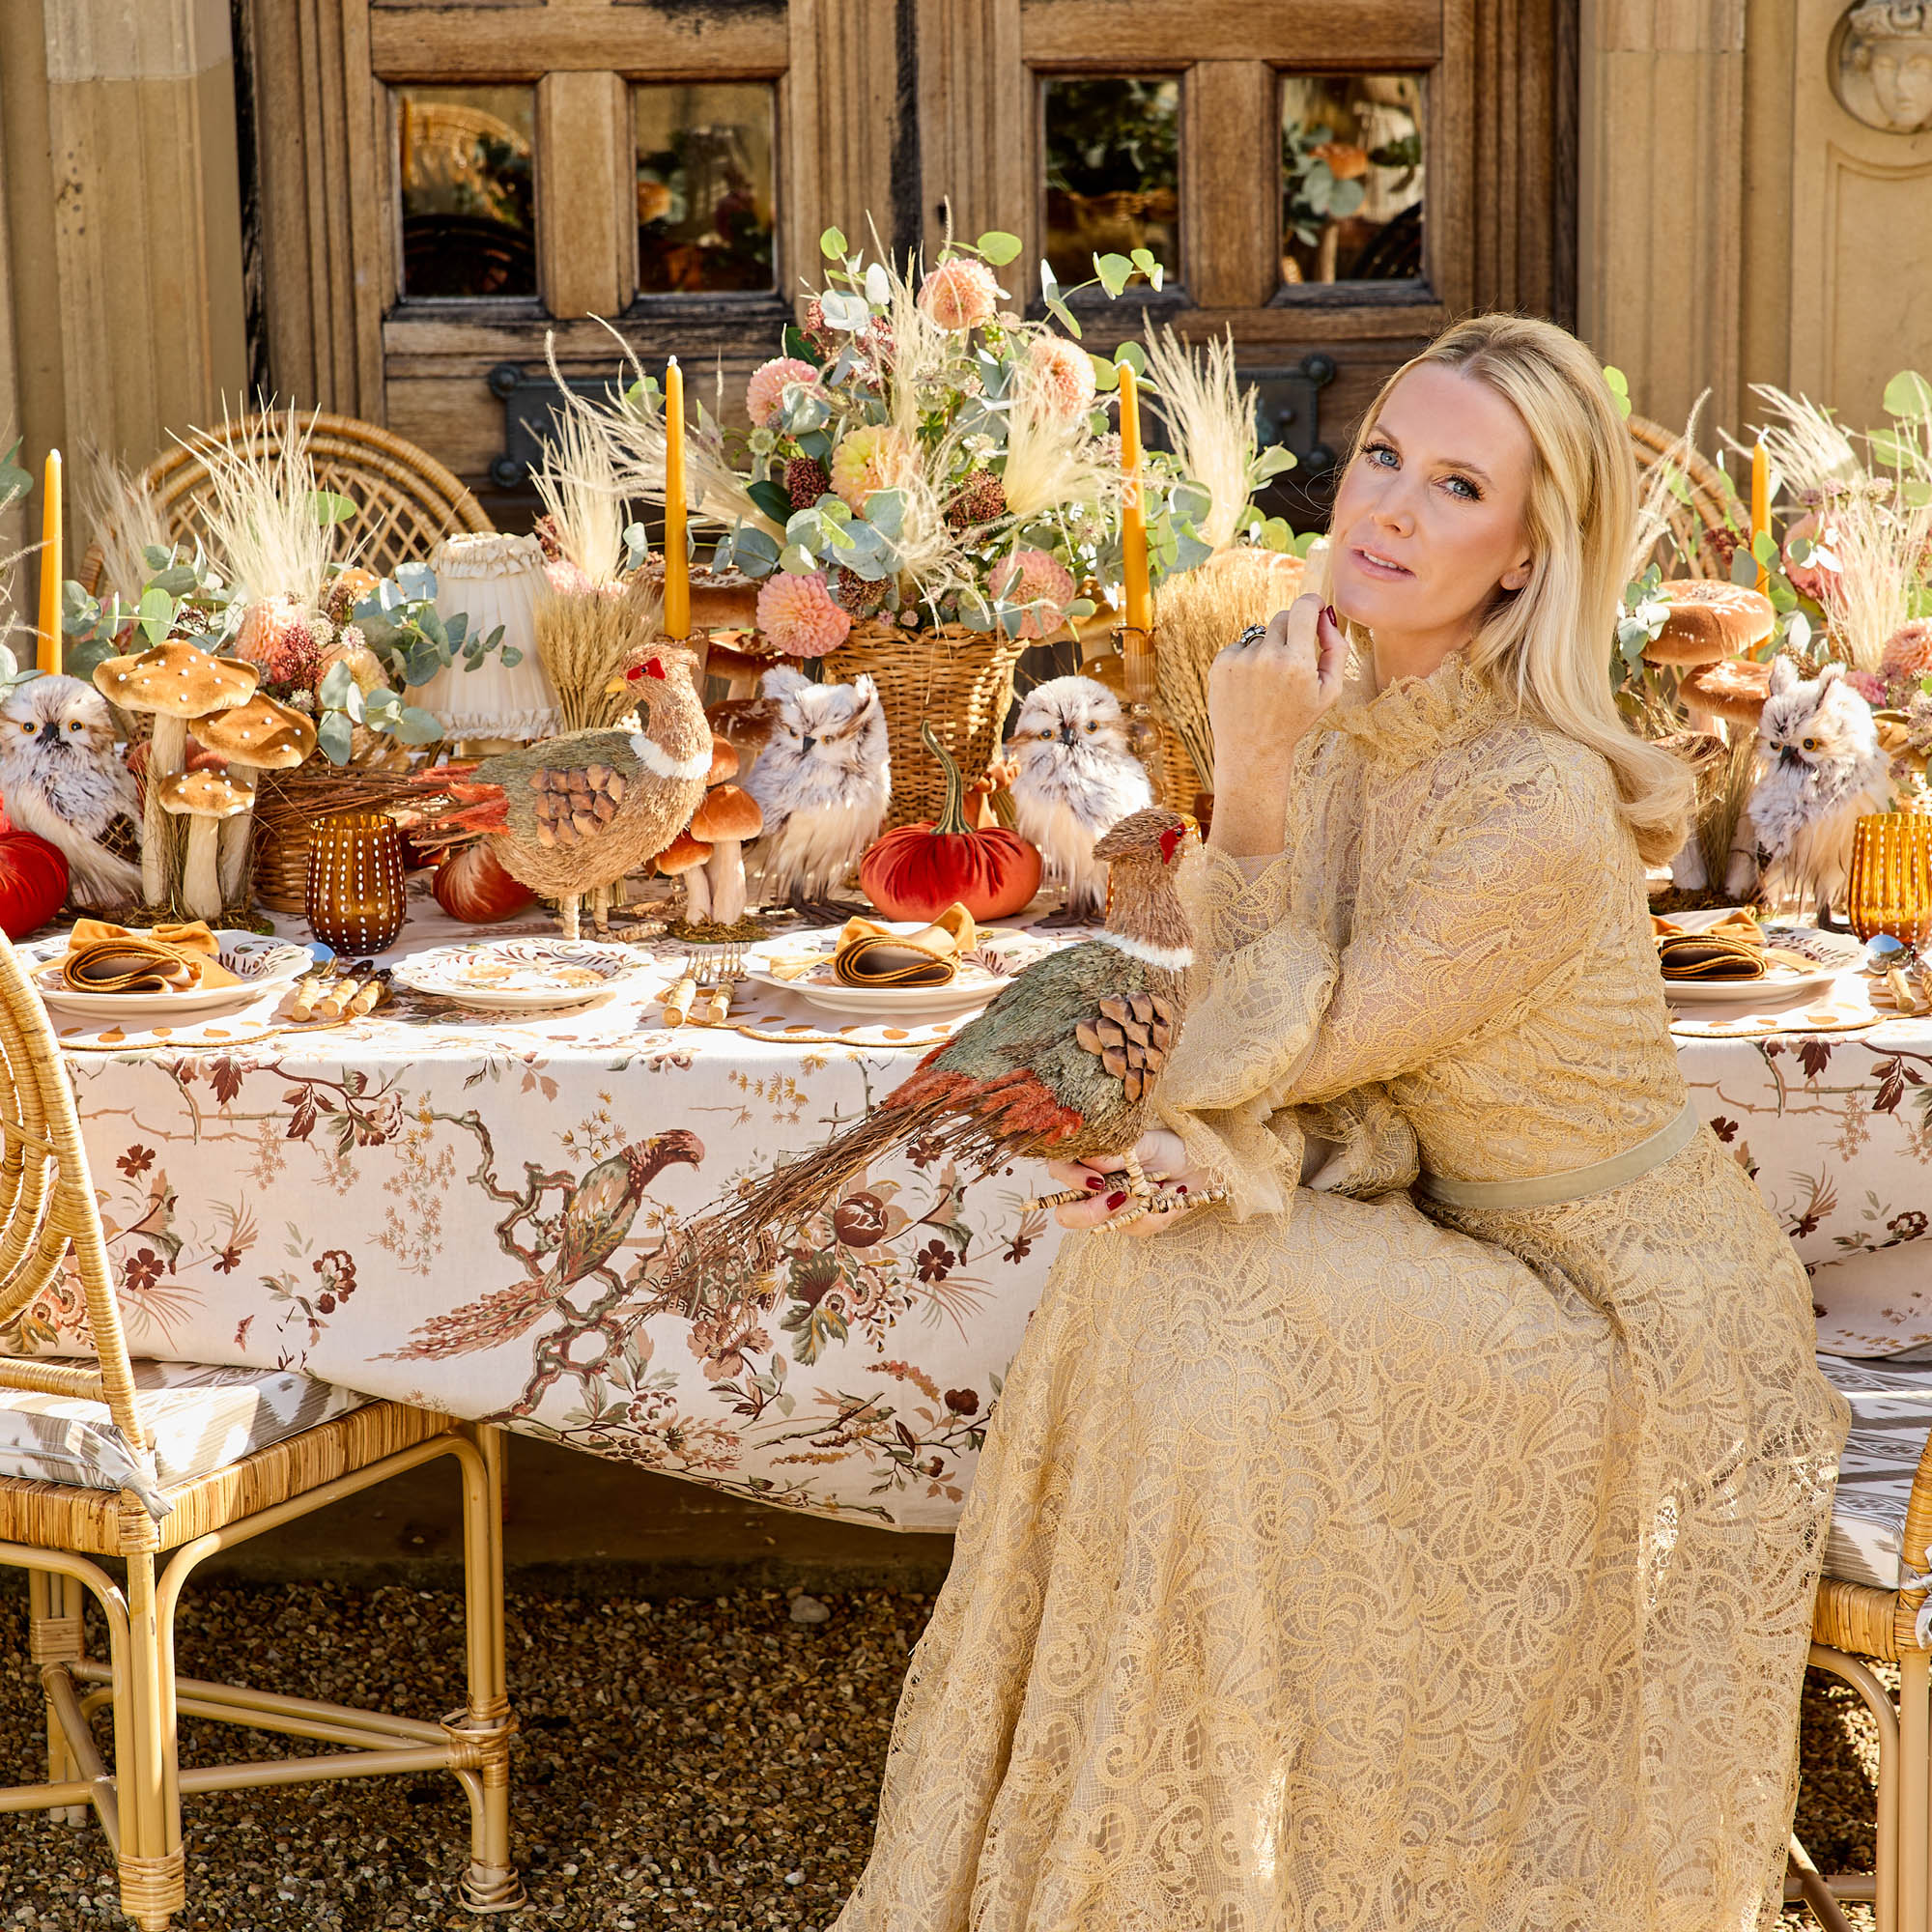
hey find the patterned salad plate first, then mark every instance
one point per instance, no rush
(261, 965)
(523, 975)
(1832, 954)
(801, 964)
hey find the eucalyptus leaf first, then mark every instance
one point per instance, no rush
(338, 688)
(1743, 569)
(157, 613)
(755, 552)
(156, 557)
(1797, 632)
(885, 511)
(80, 659)
(1114, 270)
(1189, 551)
(1062, 315)
(177, 582)
(1190, 501)
(818, 443)
(416, 582)
(1764, 547)
(998, 247)
(330, 507)
(1273, 461)
(381, 707)
(1908, 395)
(416, 726)
(1106, 375)
(334, 736)
(848, 312)
(1133, 355)
(797, 561)
(1891, 448)
(424, 662)
(509, 656)
(771, 498)
(832, 244)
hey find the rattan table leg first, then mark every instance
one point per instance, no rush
(487, 1725)
(55, 1636)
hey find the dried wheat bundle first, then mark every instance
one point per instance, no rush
(261, 522)
(1198, 612)
(124, 520)
(576, 484)
(1804, 443)
(1212, 419)
(584, 639)
(1879, 540)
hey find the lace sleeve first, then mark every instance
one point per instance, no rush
(1488, 909)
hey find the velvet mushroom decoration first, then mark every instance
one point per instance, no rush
(1709, 623)
(207, 799)
(1733, 689)
(684, 858)
(728, 816)
(258, 736)
(177, 682)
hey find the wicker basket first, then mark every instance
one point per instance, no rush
(958, 681)
(286, 805)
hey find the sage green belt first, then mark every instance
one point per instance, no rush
(1552, 1191)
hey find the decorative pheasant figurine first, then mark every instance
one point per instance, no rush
(575, 814)
(1063, 1063)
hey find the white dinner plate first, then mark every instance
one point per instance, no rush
(523, 975)
(1779, 984)
(261, 964)
(975, 984)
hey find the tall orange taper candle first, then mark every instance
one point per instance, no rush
(1760, 507)
(49, 655)
(1133, 513)
(677, 564)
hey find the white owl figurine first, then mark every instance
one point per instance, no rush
(62, 777)
(822, 779)
(1076, 781)
(1820, 769)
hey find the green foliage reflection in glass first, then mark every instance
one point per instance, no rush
(1351, 178)
(1113, 170)
(469, 210)
(705, 211)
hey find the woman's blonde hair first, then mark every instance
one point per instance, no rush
(1548, 643)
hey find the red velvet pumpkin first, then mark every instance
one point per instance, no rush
(918, 870)
(472, 886)
(33, 880)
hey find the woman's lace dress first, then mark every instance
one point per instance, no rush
(1340, 1567)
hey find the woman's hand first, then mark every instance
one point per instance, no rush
(1262, 698)
(1160, 1154)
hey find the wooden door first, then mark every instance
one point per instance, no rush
(441, 187)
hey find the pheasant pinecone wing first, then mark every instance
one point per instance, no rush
(1130, 1035)
(575, 802)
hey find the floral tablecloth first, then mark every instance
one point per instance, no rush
(389, 1205)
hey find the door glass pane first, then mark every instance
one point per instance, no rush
(468, 217)
(1350, 178)
(704, 186)
(1113, 171)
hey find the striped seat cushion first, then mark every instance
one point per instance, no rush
(198, 1419)
(1892, 1415)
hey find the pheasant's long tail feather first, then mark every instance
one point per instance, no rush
(953, 1112)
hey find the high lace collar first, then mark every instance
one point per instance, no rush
(1415, 716)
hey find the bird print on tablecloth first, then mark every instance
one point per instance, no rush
(62, 778)
(1076, 779)
(1063, 1064)
(595, 1222)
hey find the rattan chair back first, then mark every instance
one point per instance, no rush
(406, 501)
(51, 1223)
(1706, 525)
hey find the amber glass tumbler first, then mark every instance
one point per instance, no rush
(1891, 887)
(355, 901)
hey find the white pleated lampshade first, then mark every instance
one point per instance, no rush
(492, 579)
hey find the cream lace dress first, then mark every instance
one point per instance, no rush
(1335, 1567)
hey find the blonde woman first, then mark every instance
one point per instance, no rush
(1425, 1537)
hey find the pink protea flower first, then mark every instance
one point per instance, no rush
(1868, 685)
(1065, 372)
(1908, 651)
(1038, 580)
(268, 626)
(960, 293)
(764, 394)
(872, 457)
(798, 615)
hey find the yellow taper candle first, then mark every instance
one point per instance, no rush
(49, 656)
(677, 564)
(1133, 512)
(1760, 507)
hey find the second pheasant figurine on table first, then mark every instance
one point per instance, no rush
(574, 815)
(1062, 1064)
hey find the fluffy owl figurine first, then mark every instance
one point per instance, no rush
(1820, 769)
(1076, 781)
(62, 777)
(822, 779)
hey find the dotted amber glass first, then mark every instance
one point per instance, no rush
(356, 901)
(1891, 887)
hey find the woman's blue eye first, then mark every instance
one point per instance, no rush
(1375, 451)
(1464, 488)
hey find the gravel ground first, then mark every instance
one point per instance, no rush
(684, 1762)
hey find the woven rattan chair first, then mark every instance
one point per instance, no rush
(89, 1477)
(1872, 1606)
(1707, 528)
(406, 501)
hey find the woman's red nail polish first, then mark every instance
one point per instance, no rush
(1092, 1182)
(1329, 611)
(1115, 1201)
(1181, 1187)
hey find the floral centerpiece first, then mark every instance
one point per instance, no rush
(929, 483)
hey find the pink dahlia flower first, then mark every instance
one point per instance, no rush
(960, 293)
(764, 394)
(872, 457)
(1908, 651)
(1868, 685)
(1041, 583)
(1065, 372)
(798, 615)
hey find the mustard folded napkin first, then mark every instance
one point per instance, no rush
(104, 959)
(870, 954)
(1705, 955)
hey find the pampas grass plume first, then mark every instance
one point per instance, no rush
(261, 522)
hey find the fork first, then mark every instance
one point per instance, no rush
(725, 967)
(677, 1002)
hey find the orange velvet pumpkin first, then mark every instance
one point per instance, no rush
(471, 885)
(918, 870)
